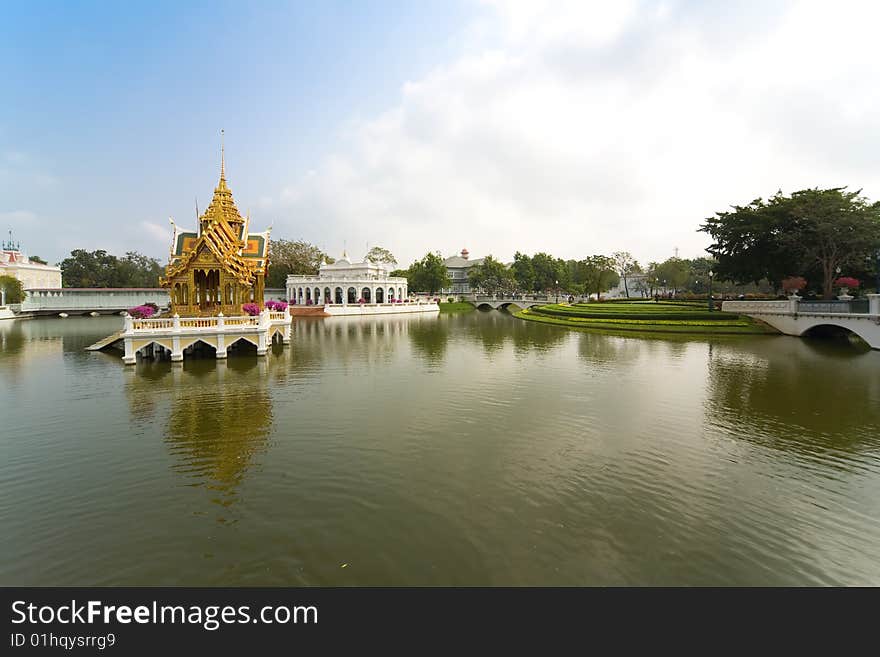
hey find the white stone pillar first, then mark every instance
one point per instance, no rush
(261, 343)
(221, 338)
(129, 358)
(176, 351)
(874, 304)
(793, 304)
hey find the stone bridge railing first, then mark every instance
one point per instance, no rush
(797, 306)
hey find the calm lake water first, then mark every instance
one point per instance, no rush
(470, 449)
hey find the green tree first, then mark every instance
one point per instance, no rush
(429, 274)
(523, 271)
(12, 288)
(599, 274)
(547, 271)
(831, 229)
(625, 265)
(813, 231)
(400, 273)
(491, 276)
(293, 257)
(37, 259)
(377, 255)
(137, 270)
(747, 243)
(90, 269)
(673, 273)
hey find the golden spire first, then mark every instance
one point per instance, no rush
(222, 155)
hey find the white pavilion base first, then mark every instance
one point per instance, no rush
(174, 335)
(6, 313)
(367, 309)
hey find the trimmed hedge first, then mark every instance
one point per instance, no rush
(704, 316)
(657, 320)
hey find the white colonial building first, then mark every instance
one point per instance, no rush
(345, 282)
(31, 274)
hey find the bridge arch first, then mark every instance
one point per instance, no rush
(826, 329)
(211, 343)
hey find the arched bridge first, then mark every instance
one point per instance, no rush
(797, 317)
(499, 302)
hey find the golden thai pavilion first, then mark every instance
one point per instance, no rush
(221, 265)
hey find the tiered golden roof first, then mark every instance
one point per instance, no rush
(224, 232)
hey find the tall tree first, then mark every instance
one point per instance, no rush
(547, 272)
(747, 244)
(101, 269)
(599, 274)
(625, 265)
(89, 269)
(832, 229)
(820, 229)
(674, 273)
(377, 255)
(523, 271)
(137, 270)
(429, 274)
(12, 289)
(491, 276)
(293, 257)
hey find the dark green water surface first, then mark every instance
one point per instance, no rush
(470, 449)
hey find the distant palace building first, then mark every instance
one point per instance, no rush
(31, 274)
(458, 267)
(220, 266)
(345, 282)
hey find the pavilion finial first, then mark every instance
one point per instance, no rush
(222, 154)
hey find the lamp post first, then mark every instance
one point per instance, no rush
(711, 274)
(557, 291)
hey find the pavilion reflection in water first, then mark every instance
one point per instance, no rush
(217, 415)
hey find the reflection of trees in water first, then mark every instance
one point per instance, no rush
(430, 339)
(598, 348)
(217, 414)
(797, 395)
(493, 329)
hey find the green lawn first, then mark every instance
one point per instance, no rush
(646, 316)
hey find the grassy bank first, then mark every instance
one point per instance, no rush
(456, 307)
(646, 317)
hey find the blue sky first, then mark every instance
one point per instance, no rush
(575, 127)
(112, 111)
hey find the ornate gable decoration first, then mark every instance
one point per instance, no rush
(222, 232)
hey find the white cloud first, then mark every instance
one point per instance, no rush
(157, 233)
(590, 127)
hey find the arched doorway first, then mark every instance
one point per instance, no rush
(338, 295)
(380, 295)
(391, 294)
(327, 297)
(352, 295)
(366, 296)
(317, 296)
